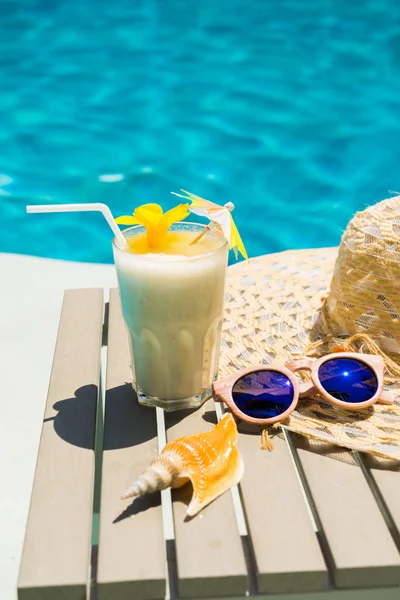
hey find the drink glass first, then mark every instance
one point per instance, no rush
(173, 308)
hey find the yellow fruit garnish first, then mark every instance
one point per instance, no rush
(156, 222)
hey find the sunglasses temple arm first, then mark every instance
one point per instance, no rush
(386, 397)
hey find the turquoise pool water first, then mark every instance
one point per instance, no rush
(288, 109)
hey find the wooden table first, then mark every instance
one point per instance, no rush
(302, 525)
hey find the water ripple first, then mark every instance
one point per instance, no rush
(288, 109)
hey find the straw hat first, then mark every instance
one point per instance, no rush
(309, 302)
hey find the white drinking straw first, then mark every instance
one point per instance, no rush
(96, 206)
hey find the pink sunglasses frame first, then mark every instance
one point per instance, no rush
(222, 389)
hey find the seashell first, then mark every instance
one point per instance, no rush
(210, 460)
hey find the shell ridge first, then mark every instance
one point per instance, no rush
(210, 460)
(196, 505)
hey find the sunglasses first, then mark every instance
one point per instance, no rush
(265, 395)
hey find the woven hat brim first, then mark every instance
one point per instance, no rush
(272, 314)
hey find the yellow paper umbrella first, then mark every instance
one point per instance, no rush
(220, 216)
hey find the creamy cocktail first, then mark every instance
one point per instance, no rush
(172, 302)
(172, 281)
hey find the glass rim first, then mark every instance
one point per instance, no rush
(197, 257)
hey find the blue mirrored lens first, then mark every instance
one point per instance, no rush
(263, 394)
(348, 380)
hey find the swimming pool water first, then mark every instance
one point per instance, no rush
(288, 109)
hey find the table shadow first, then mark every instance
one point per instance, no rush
(127, 423)
(75, 421)
(139, 505)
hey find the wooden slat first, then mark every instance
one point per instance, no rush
(385, 474)
(131, 544)
(362, 550)
(55, 561)
(210, 559)
(382, 593)
(287, 553)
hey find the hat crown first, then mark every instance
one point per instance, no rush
(365, 289)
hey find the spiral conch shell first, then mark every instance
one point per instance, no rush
(210, 460)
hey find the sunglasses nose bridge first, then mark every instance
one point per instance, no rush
(298, 365)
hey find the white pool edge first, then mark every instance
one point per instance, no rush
(30, 304)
